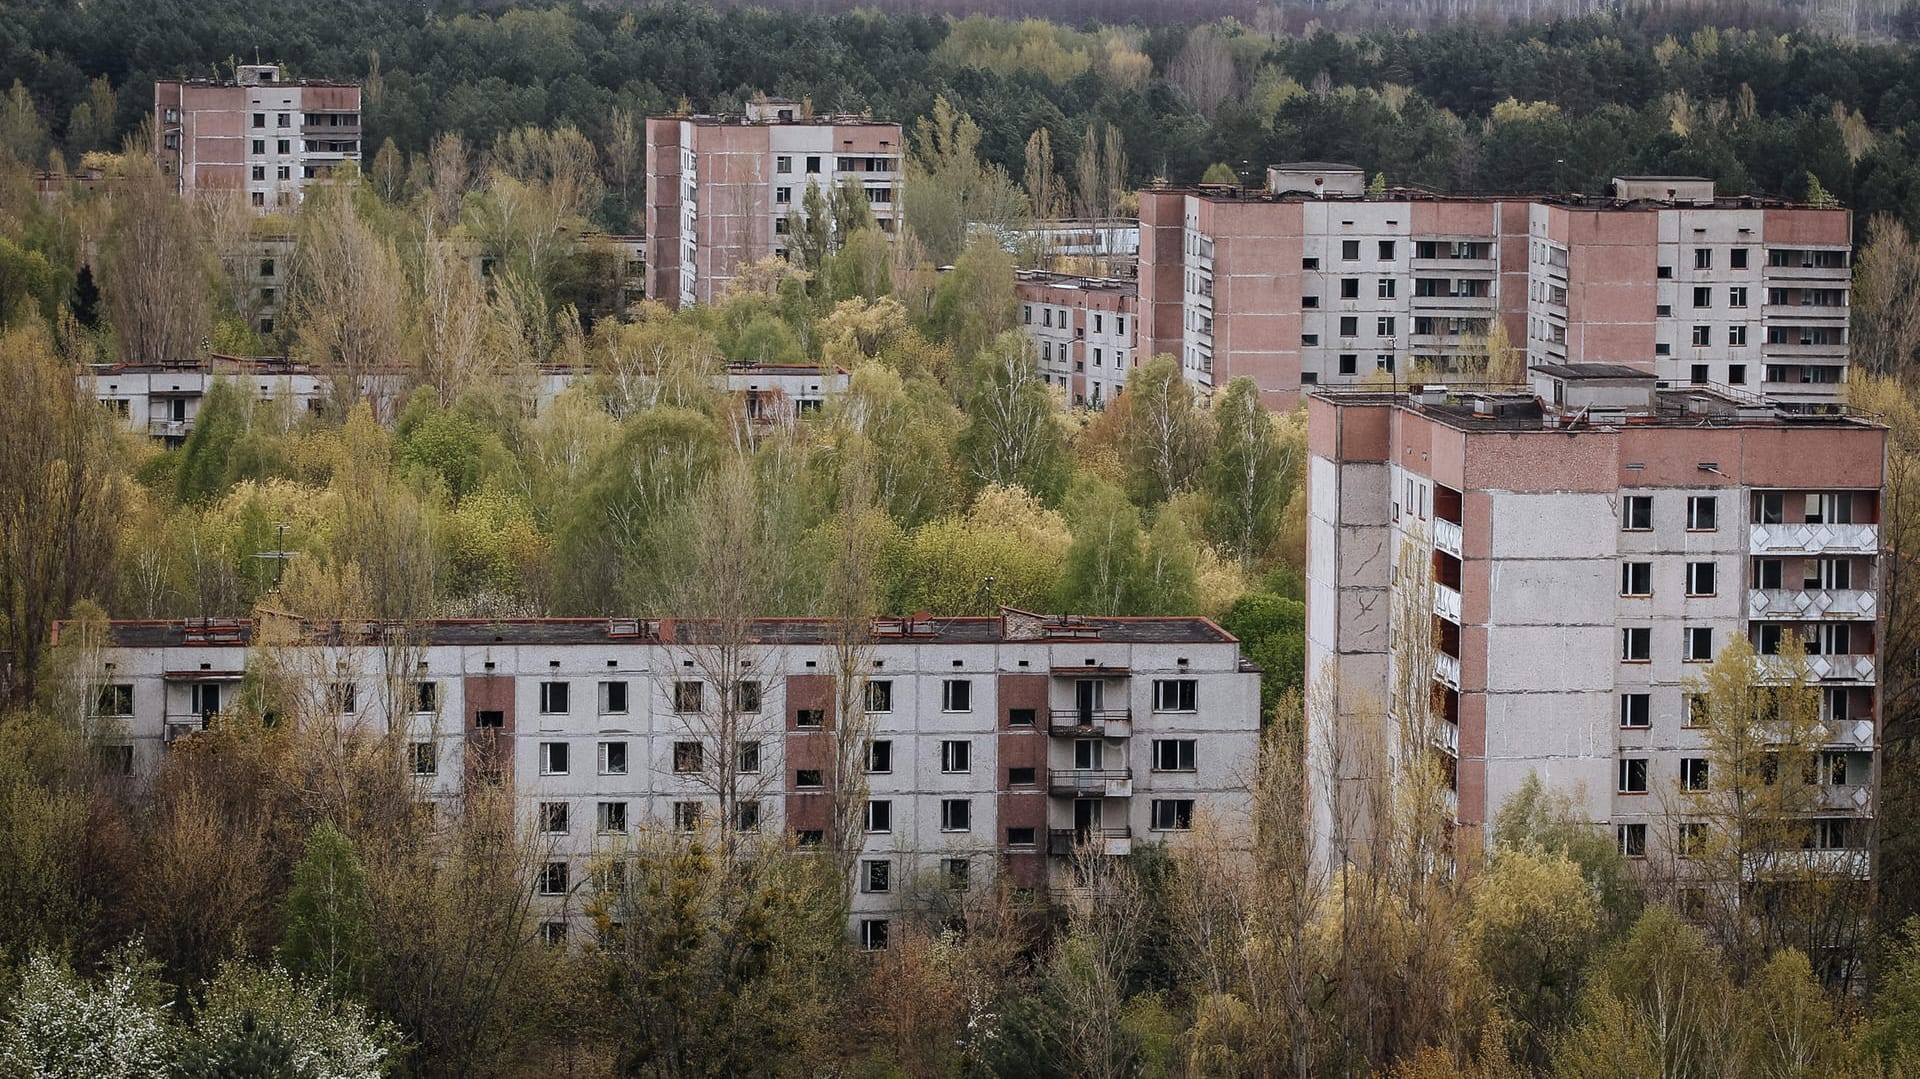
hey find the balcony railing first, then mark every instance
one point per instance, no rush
(1109, 722)
(1849, 732)
(169, 428)
(1854, 797)
(1844, 862)
(1446, 603)
(1091, 783)
(1112, 841)
(1447, 736)
(1447, 669)
(1838, 668)
(1817, 603)
(1447, 537)
(1813, 539)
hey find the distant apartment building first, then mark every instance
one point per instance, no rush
(257, 134)
(164, 400)
(1587, 549)
(999, 746)
(1082, 330)
(720, 188)
(1317, 282)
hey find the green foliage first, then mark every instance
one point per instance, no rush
(1535, 818)
(266, 1011)
(59, 1025)
(449, 444)
(1166, 435)
(205, 458)
(1220, 173)
(29, 285)
(1893, 1032)
(1273, 633)
(1013, 435)
(327, 937)
(1245, 478)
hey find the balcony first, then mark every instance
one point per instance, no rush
(1794, 350)
(1447, 736)
(1091, 722)
(1790, 539)
(1844, 861)
(1800, 604)
(169, 428)
(1849, 797)
(1797, 272)
(1447, 669)
(1091, 783)
(1840, 668)
(1793, 312)
(1447, 537)
(1108, 841)
(1856, 733)
(1446, 603)
(1456, 267)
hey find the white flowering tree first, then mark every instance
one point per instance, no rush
(60, 1025)
(321, 1038)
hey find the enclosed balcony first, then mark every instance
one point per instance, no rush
(1091, 783)
(1811, 604)
(1108, 841)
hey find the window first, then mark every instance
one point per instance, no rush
(783, 163)
(813, 165)
(1636, 513)
(1349, 363)
(1633, 840)
(1693, 773)
(1633, 775)
(1703, 513)
(342, 696)
(809, 717)
(1385, 288)
(873, 934)
(1021, 837)
(1310, 301)
(553, 818)
(1737, 297)
(613, 698)
(688, 757)
(553, 879)
(259, 119)
(553, 934)
(259, 172)
(114, 700)
(1636, 578)
(746, 758)
(1020, 717)
(1833, 768)
(1636, 644)
(426, 696)
(686, 816)
(876, 875)
(1828, 573)
(808, 778)
(1663, 272)
(282, 146)
(487, 718)
(1702, 297)
(1694, 710)
(1383, 326)
(422, 760)
(611, 817)
(956, 695)
(1832, 508)
(1349, 288)
(259, 146)
(1690, 839)
(1175, 694)
(746, 815)
(1173, 754)
(1831, 833)
(1737, 258)
(879, 816)
(1700, 581)
(956, 756)
(613, 758)
(1349, 249)
(1702, 336)
(1309, 340)
(553, 698)
(688, 696)
(880, 756)
(1172, 814)
(879, 696)
(1768, 508)
(1309, 263)
(1703, 258)
(956, 814)
(1768, 643)
(956, 872)
(259, 198)
(1022, 777)
(1386, 249)
(553, 758)
(783, 196)
(1636, 710)
(285, 172)
(1699, 644)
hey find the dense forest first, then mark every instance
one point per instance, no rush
(1560, 106)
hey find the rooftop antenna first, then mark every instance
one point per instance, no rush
(279, 557)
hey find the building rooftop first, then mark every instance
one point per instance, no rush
(1011, 626)
(1573, 398)
(1592, 370)
(1571, 200)
(1118, 285)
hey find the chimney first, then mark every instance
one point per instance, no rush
(1319, 187)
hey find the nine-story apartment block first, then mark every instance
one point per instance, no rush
(720, 188)
(1316, 281)
(1588, 549)
(997, 745)
(256, 134)
(1082, 332)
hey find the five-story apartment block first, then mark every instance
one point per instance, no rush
(257, 134)
(1082, 332)
(1587, 549)
(720, 188)
(997, 745)
(1316, 281)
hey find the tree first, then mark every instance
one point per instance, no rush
(23, 134)
(221, 421)
(625, 152)
(1221, 173)
(29, 286)
(1104, 569)
(321, 1037)
(61, 1026)
(61, 491)
(974, 301)
(155, 272)
(1013, 437)
(1886, 298)
(1246, 474)
(388, 173)
(948, 189)
(328, 930)
(1040, 178)
(1204, 70)
(94, 120)
(1534, 922)
(347, 299)
(1165, 435)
